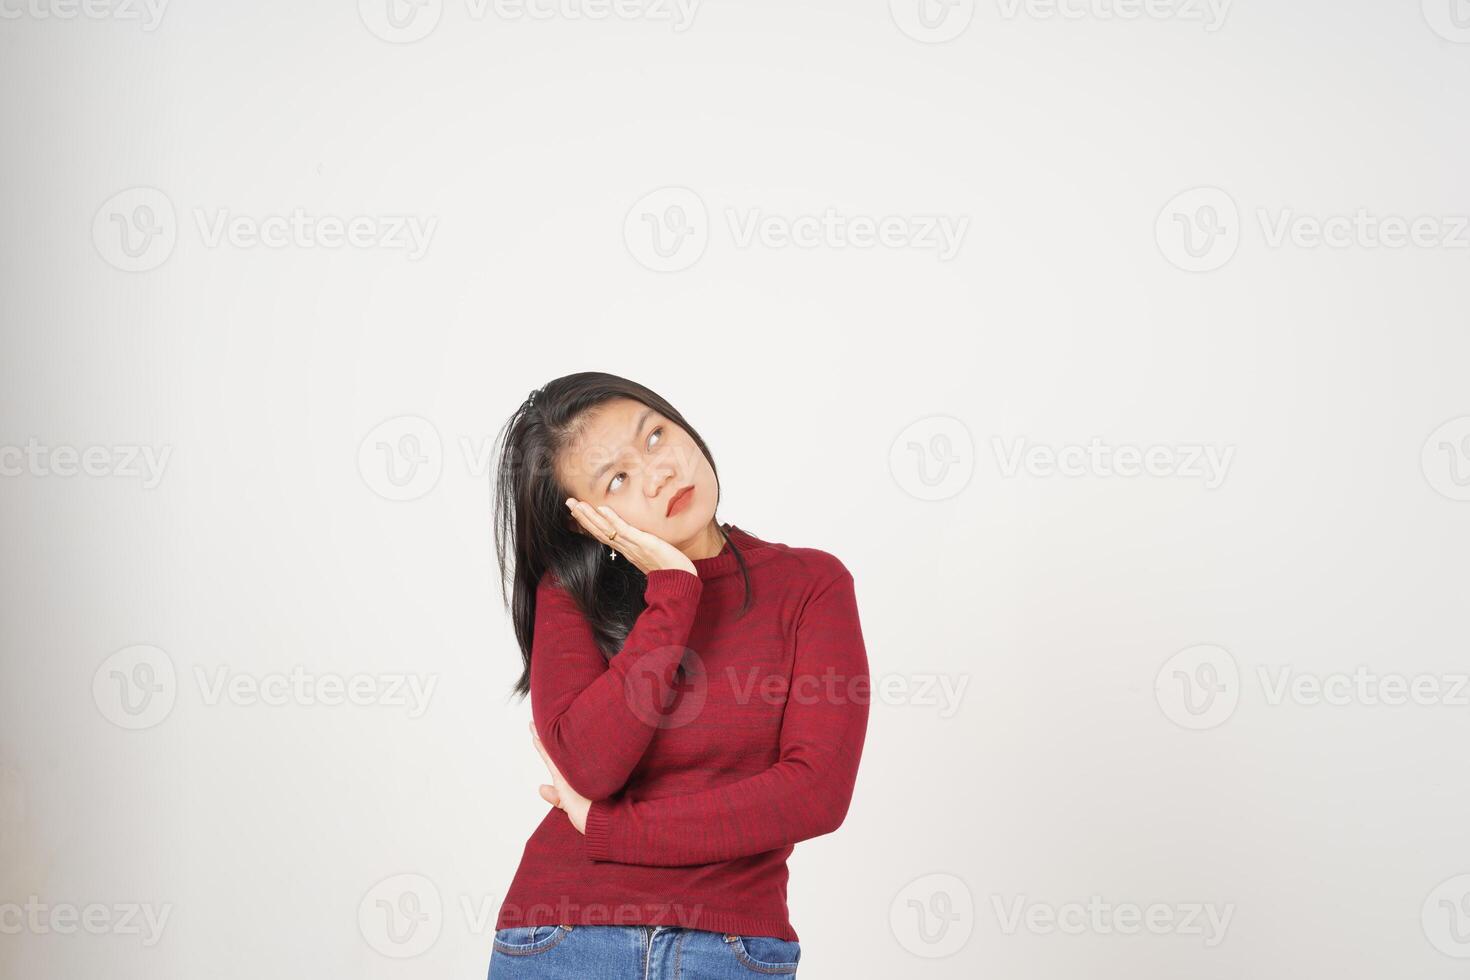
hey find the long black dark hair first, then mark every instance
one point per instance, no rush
(532, 521)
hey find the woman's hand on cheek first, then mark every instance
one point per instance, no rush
(560, 793)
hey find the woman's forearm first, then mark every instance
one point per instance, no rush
(596, 717)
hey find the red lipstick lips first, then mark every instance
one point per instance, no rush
(679, 499)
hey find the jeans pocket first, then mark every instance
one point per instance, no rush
(529, 940)
(765, 954)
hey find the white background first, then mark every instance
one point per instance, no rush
(853, 398)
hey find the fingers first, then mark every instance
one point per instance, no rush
(536, 741)
(607, 526)
(624, 529)
(549, 793)
(595, 523)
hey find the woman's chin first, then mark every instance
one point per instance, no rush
(686, 523)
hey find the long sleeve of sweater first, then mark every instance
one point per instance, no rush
(803, 795)
(596, 717)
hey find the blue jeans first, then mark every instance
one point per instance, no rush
(637, 953)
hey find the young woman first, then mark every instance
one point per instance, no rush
(699, 696)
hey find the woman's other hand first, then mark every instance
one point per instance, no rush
(560, 793)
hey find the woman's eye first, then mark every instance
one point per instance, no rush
(613, 484)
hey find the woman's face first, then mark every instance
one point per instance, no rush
(634, 460)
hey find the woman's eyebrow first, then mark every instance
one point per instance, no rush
(638, 424)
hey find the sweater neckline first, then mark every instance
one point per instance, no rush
(753, 549)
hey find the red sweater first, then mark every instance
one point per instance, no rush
(701, 784)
